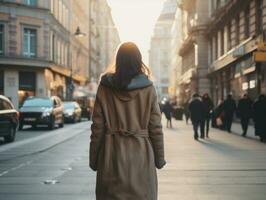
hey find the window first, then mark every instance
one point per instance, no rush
(259, 16)
(31, 2)
(237, 30)
(247, 23)
(229, 39)
(222, 42)
(2, 46)
(30, 42)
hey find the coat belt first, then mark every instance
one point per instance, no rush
(135, 133)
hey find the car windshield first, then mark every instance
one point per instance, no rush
(38, 102)
(69, 105)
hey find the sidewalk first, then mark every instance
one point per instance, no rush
(225, 166)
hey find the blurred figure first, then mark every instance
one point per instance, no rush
(208, 106)
(244, 112)
(229, 110)
(259, 109)
(196, 109)
(167, 110)
(186, 110)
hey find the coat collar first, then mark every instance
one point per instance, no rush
(138, 82)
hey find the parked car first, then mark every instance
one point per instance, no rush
(9, 118)
(72, 111)
(42, 111)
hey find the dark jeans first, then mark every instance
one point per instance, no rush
(228, 119)
(244, 124)
(196, 125)
(205, 125)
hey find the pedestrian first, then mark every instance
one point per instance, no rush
(186, 110)
(208, 107)
(168, 111)
(259, 113)
(229, 110)
(127, 140)
(196, 109)
(244, 112)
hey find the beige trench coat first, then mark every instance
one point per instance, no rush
(126, 144)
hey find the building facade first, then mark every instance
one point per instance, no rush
(194, 49)
(160, 48)
(40, 54)
(176, 59)
(106, 38)
(237, 48)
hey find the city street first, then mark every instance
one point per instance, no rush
(53, 165)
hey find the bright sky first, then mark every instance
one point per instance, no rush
(135, 20)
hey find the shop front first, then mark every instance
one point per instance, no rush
(27, 86)
(237, 78)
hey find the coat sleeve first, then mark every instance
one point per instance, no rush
(97, 131)
(156, 133)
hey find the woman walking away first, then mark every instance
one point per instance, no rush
(127, 139)
(167, 110)
(259, 109)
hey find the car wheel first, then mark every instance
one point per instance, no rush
(11, 136)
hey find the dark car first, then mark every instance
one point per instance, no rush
(9, 118)
(72, 112)
(42, 111)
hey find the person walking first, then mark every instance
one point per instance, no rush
(196, 109)
(244, 112)
(259, 113)
(229, 110)
(126, 143)
(186, 110)
(168, 110)
(208, 107)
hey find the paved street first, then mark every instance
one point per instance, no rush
(226, 166)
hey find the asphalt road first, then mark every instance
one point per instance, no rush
(54, 165)
(43, 164)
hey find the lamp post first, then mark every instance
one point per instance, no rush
(78, 33)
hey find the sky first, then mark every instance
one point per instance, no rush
(135, 20)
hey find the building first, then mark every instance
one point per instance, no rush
(106, 38)
(40, 54)
(176, 59)
(160, 48)
(194, 49)
(237, 48)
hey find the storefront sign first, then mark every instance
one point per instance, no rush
(260, 56)
(262, 46)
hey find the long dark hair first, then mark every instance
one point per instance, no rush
(128, 64)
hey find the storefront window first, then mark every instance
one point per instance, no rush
(1, 82)
(27, 86)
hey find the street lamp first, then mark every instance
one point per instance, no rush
(79, 34)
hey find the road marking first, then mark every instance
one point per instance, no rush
(41, 137)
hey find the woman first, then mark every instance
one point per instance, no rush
(127, 139)
(259, 109)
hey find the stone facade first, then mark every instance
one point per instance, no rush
(236, 32)
(160, 48)
(40, 40)
(194, 50)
